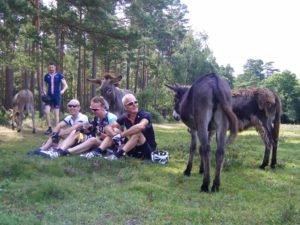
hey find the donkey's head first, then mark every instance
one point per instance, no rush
(107, 85)
(16, 117)
(179, 92)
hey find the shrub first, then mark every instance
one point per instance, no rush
(156, 117)
(4, 116)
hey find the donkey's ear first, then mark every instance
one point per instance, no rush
(95, 81)
(116, 80)
(173, 88)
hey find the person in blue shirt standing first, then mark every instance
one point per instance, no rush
(55, 86)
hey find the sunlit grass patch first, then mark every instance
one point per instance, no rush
(72, 190)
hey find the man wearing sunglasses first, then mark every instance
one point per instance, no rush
(92, 136)
(73, 121)
(139, 131)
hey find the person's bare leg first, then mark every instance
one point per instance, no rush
(69, 141)
(85, 146)
(134, 140)
(47, 113)
(47, 145)
(106, 143)
(56, 116)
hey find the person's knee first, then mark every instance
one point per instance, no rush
(93, 141)
(47, 110)
(136, 136)
(73, 133)
(140, 139)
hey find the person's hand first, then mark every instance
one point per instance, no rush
(103, 136)
(117, 139)
(62, 92)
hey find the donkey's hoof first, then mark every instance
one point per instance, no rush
(204, 188)
(273, 166)
(215, 188)
(262, 167)
(187, 173)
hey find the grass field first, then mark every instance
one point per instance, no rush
(71, 190)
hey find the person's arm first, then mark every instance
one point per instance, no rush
(45, 88)
(64, 85)
(115, 124)
(137, 128)
(109, 130)
(70, 129)
(59, 126)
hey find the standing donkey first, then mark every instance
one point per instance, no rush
(22, 102)
(204, 107)
(109, 89)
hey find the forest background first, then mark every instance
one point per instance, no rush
(148, 42)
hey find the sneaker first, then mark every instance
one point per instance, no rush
(111, 151)
(34, 152)
(55, 138)
(111, 157)
(50, 154)
(52, 149)
(116, 155)
(49, 131)
(91, 154)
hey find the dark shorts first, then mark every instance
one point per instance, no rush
(142, 151)
(55, 101)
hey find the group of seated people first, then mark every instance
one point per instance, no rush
(131, 134)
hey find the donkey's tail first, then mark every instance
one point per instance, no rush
(233, 121)
(278, 109)
(224, 98)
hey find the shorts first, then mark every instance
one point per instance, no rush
(142, 151)
(55, 101)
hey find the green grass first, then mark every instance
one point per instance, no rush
(71, 190)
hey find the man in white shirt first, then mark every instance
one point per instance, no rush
(95, 135)
(71, 122)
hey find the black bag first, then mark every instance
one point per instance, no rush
(46, 98)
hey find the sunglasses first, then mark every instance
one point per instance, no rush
(72, 106)
(94, 109)
(131, 103)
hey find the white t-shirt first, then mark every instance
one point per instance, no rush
(80, 118)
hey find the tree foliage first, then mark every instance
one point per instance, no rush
(287, 86)
(148, 42)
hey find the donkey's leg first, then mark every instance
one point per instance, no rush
(210, 134)
(221, 121)
(33, 119)
(274, 149)
(189, 166)
(201, 169)
(20, 122)
(205, 157)
(266, 135)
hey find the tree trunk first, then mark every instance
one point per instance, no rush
(36, 50)
(137, 72)
(85, 95)
(2, 87)
(79, 91)
(143, 70)
(94, 71)
(9, 89)
(26, 79)
(128, 73)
